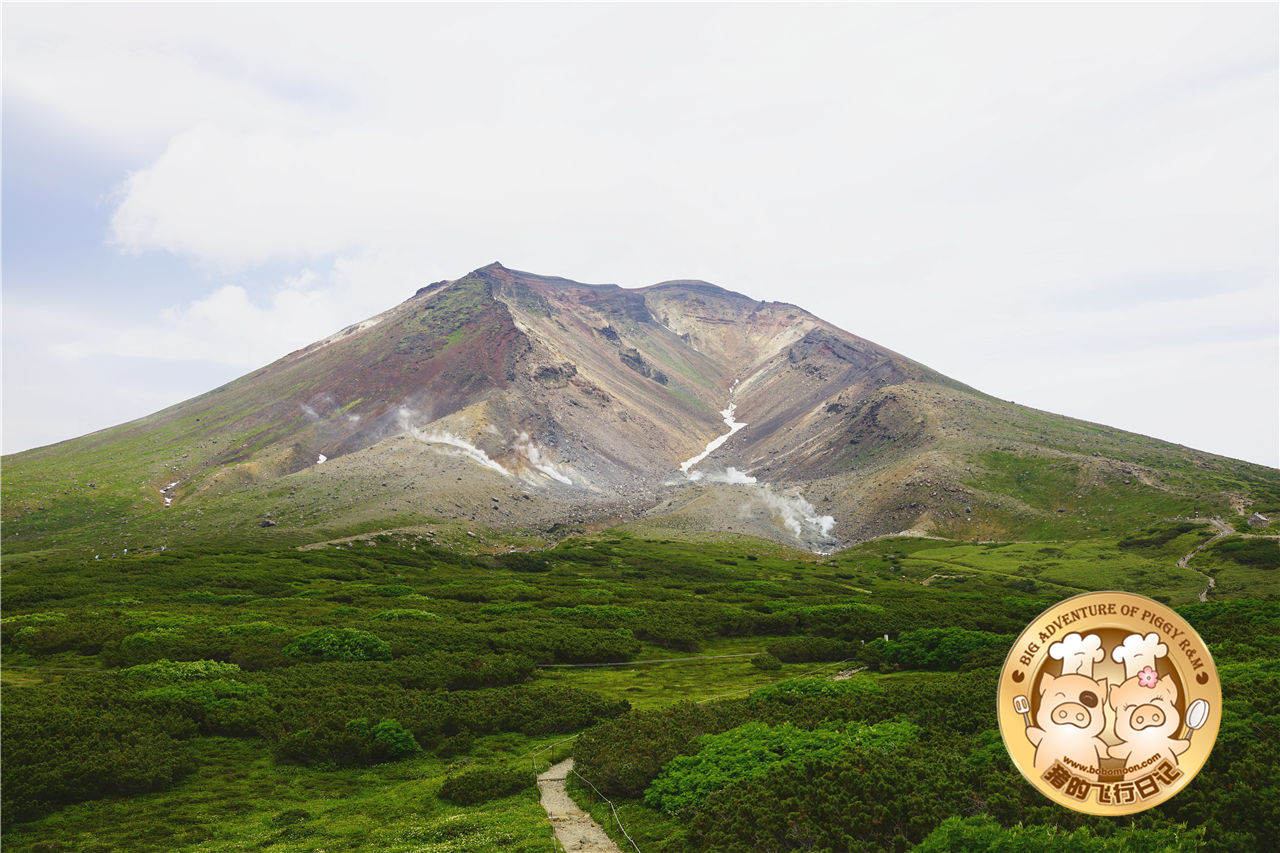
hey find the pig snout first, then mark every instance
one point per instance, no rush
(1071, 713)
(1146, 717)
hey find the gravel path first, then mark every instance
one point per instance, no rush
(574, 828)
(1224, 529)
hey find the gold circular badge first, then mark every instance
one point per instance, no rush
(1109, 703)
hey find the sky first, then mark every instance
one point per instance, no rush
(1075, 207)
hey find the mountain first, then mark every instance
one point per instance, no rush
(507, 401)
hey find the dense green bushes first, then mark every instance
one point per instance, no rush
(482, 784)
(754, 750)
(168, 670)
(743, 790)
(79, 740)
(625, 755)
(766, 662)
(1254, 553)
(812, 649)
(1153, 540)
(981, 834)
(339, 644)
(355, 744)
(450, 668)
(865, 800)
(937, 648)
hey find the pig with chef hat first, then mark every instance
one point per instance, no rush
(1071, 713)
(1145, 703)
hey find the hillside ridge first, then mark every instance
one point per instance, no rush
(588, 404)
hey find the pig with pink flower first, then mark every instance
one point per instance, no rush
(1145, 704)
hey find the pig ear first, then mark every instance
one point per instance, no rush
(1111, 695)
(1170, 689)
(1103, 686)
(1046, 681)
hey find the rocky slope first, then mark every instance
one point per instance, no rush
(526, 402)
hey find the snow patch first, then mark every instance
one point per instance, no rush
(733, 426)
(322, 459)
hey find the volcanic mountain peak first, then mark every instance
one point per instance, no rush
(679, 405)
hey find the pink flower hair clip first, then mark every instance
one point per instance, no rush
(1147, 677)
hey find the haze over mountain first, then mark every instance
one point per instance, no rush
(528, 403)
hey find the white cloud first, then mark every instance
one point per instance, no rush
(941, 179)
(235, 327)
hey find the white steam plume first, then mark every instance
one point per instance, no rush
(527, 448)
(798, 515)
(730, 476)
(447, 438)
(468, 449)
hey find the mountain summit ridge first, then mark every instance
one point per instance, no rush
(588, 404)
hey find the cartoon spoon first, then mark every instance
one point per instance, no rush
(1197, 714)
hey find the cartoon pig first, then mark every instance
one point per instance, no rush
(1068, 723)
(1146, 719)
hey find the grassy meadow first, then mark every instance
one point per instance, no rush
(391, 694)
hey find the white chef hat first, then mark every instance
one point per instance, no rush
(1138, 652)
(1078, 654)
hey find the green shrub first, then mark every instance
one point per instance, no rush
(795, 691)
(767, 662)
(288, 817)
(393, 590)
(33, 618)
(406, 614)
(216, 597)
(525, 562)
(483, 784)
(937, 648)
(624, 755)
(867, 799)
(1254, 553)
(339, 644)
(80, 739)
(159, 644)
(597, 615)
(219, 706)
(355, 744)
(251, 629)
(980, 834)
(756, 749)
(170, 670)
(812, 649)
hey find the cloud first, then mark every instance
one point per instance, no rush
(234, 326)
(891, 168)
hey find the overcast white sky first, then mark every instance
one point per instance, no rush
(1071, 206)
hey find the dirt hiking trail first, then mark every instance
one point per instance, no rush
(574, 828)
(1224, 529)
